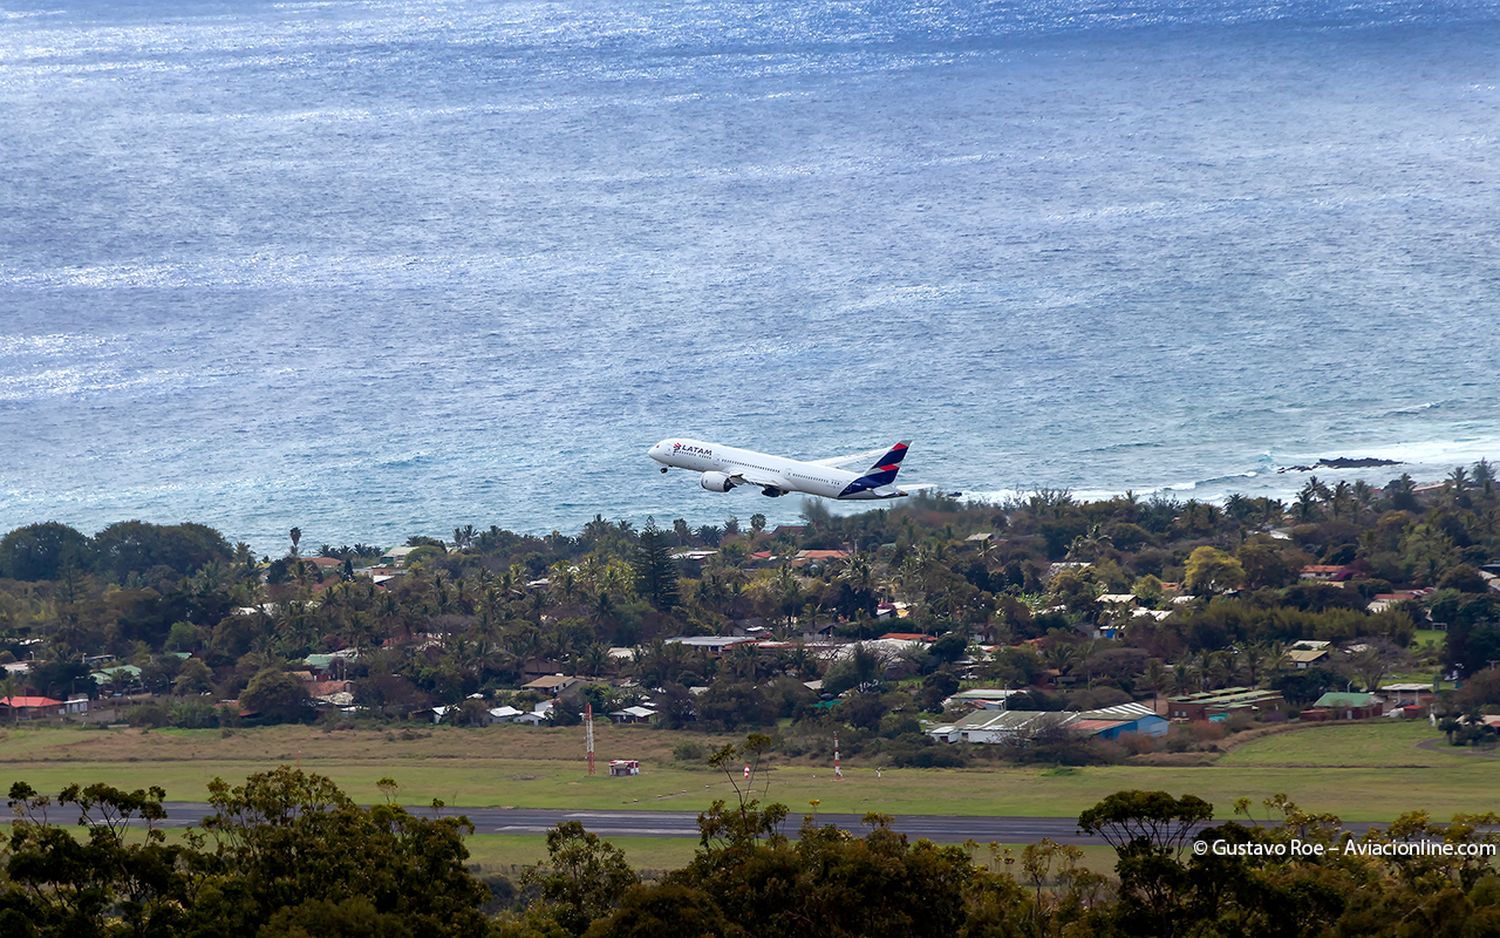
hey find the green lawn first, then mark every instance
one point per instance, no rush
(1389, 743)
(1362, 772)
(1422, 636)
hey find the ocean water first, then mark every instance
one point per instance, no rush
(387, 267)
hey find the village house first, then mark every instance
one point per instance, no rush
(396, 557)
(982, 698)
(713, 644)
(330, 665)
(1385, 601)
(635, 714)
(998, 726)
(1326, 573)
(1337, 705)
(22, 708)
(1306, 653)
(117, 679)
(504, 714)
(1412, 697)
(818, 558)
(1219, 705)
(553, 684)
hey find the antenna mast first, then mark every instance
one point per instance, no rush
(588, 734)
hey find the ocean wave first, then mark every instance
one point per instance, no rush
(1415, 410)
(67, 382)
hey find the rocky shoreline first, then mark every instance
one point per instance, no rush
(1343, 462)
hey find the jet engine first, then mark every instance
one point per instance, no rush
(716, 482)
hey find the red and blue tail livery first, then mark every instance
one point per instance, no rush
(722, 468)
(881, 474)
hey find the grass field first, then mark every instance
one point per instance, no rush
(1390, 744)
(1360, 772)
(1423, 636)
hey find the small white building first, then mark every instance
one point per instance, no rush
(635, 714)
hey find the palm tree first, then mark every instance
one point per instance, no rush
(296, 535)
(1307, 504)
(1154, 678)
(1182, 679)
(1458, 484)
(1483, 476)
(1403, 492)
(1340, 498)
(1060, 656)
(1090, 544)
(595, 659)
(1364, 495)
(1271, 509)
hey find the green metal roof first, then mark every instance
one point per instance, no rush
(1339, 699)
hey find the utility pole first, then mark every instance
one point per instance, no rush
(588, 734)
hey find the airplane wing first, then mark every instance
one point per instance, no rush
(863, 457)
(762, 479)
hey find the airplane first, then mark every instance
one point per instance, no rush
(727, 467)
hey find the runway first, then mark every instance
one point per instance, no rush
(946, 828)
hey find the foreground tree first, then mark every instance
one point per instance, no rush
(287, 853)
(582, 878)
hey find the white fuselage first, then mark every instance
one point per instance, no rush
(775, 475)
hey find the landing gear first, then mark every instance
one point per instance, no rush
(772, 491)
(663, 469)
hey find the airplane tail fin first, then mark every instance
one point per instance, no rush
(885, 468)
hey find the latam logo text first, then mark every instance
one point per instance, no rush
(691, 450)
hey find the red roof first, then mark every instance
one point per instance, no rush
(909, 637)
(326, 561)
(1095, 726)
(20, 702)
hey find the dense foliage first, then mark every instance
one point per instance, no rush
(1010, 592)
(287, 854)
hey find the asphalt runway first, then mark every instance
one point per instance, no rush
(945, 828)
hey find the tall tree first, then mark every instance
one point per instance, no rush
(41, 551)
(655, 571)
(1210, 570)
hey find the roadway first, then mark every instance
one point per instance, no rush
(942, 828)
